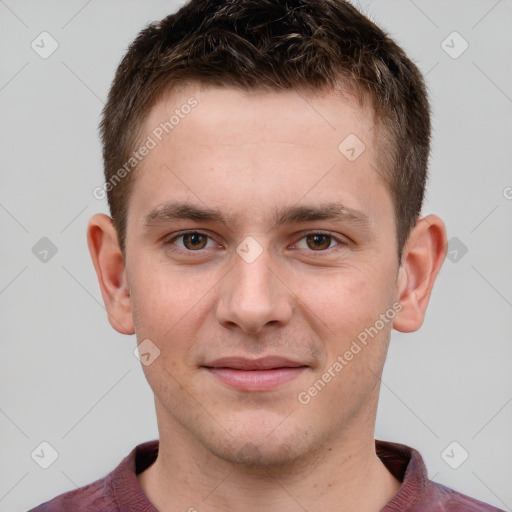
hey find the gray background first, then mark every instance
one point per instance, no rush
(69, 379)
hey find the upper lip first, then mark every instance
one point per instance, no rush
(264, 363)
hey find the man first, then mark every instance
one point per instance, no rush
(265, 166)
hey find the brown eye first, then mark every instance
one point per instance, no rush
(188, 242)
(194, 240)
(318, 241)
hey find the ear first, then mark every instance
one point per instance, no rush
(109, 264)
(422, 258)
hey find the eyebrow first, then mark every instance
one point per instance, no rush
(176, 210)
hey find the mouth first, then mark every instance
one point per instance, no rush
(255, 374)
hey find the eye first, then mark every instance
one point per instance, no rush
(191, 241)
(318, 242)
(196, 241)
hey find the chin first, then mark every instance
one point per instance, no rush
(257, 446)
(263, 455)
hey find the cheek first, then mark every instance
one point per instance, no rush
(162, 295)
(345, 299)
(345, 309)
(170, 307)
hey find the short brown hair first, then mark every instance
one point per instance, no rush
(310, 45)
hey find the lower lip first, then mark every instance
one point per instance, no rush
(256, 380)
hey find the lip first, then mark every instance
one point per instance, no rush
(263, 363)
(255, 374)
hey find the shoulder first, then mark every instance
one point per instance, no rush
(119, 490)
(418, 493)
(445, 499)
(88, 498)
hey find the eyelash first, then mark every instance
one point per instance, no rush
(169, 243)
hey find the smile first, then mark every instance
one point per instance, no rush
(255, 375)
(256, 380)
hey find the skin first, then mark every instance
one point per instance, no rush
(247, 154)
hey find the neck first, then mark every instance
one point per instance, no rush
(337, 477)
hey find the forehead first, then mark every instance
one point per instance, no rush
(259, 149)
(267, 116)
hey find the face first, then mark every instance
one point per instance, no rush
(272, 309)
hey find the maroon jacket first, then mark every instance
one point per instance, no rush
(119, 491)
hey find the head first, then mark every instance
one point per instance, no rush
(298, 137)
(314, 46)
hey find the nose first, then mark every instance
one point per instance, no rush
(254, 295)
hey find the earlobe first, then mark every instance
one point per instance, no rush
(422, 258)
(110, 269)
